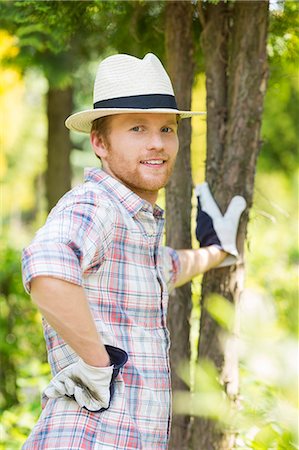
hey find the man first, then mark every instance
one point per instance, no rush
(100, 277)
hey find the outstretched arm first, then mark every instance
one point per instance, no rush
(195, 262)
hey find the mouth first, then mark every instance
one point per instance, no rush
(153, 162)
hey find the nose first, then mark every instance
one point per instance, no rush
(155, 141)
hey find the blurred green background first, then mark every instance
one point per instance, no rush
(268, 350)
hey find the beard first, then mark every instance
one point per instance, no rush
(140, 178)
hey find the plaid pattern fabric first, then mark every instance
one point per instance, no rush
(104, 237)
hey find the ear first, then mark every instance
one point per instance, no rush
(98, 144)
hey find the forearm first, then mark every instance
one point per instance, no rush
(195, 262)
(65, 307)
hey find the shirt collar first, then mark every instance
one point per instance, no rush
(131, 201)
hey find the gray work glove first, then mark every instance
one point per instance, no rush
(213, 228)
(91, 387)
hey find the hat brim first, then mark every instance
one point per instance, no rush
(82, 121)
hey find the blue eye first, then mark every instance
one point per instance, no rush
(137, 128)
(167, 130)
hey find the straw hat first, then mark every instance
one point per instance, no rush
(126, 84)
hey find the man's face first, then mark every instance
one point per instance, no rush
(140, 151)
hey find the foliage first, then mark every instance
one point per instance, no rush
(50, 34)
(272, 252)
(283, 39)
(280, 132)
(265, 417)
(23, 371)
(11, 91)
(58, 36)
(20, 330)
(23, 145)
(17, 421)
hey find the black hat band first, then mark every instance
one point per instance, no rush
(147, 101)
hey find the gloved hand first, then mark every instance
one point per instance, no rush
(91, 387)
(212, 228)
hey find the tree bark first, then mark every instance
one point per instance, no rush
(180, 65)
(58, 175)
(234, 46)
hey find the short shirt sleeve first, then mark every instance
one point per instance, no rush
(73, 241)
(170, 266)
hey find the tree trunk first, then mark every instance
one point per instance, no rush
(58, 176)
(180, 65)
(234, 45)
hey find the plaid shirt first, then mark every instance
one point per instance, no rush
(104, 237)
